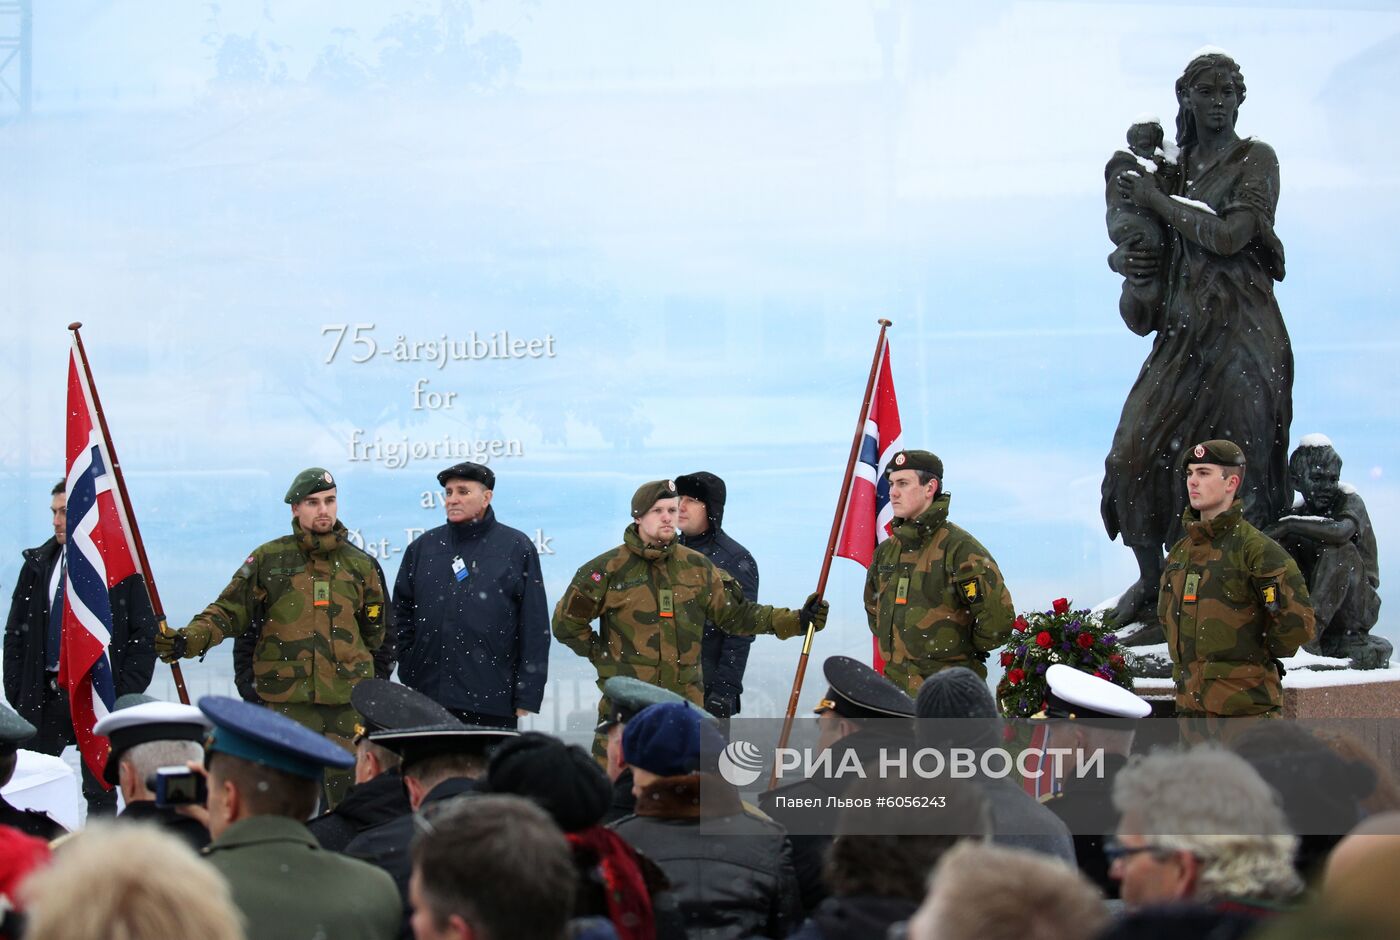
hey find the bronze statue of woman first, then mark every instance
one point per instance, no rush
(1221, 365)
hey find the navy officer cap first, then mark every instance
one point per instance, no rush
(626, 696)
(14, 730)
(139, 719)
(860, 693)
(1087, 699)
(466, 470)
(444, 737)
(385, 706)
(258, 734)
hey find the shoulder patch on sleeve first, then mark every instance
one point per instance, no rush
(970, 591)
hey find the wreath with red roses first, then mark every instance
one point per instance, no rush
(1039, 639)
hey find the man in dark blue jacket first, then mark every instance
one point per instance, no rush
(469, 607)
(723, 656)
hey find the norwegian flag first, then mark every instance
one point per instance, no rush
(99, 556)
(868, 514)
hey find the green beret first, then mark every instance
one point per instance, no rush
(626, 696)
(916, 460)
(1224, 453)
(309, 481)
(648, 493)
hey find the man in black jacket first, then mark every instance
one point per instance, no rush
(862, 715)
(32, 637)
(723, 656)
(439, 763)
(470, 610)
(378, 794)
(731, 870)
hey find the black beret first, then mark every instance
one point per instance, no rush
(1224, 453)
(467, 470)
(648, 493)
(916, 460)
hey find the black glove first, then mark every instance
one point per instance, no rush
(1278, 664)
(814, 612)
(982, 656)
(721, 706)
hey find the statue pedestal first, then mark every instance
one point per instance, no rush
(1309, 695)
(1364, 704)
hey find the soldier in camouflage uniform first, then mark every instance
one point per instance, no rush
(934, 596)
(319, 604)
(652, 596)
(1232, 602)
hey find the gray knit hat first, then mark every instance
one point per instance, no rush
(955, 708)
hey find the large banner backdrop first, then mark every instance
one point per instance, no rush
(594, 244)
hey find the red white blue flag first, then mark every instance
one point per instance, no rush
(868, 515)
(99, 555)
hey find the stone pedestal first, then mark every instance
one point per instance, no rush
(1362, 704)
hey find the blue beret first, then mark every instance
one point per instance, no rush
(670, 740)
(258, 734)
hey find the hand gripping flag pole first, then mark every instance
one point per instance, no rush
(104, 547)
(862, 510)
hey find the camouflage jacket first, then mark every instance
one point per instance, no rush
(1232, 600)
(935, 598)
(651, 605)
(320, 605)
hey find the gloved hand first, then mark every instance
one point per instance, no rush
(173, 645)
(721, 706)
(814, 612)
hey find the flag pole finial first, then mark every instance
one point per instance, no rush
(882, 321)
(75, 326)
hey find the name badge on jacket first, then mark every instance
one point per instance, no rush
(459, 568)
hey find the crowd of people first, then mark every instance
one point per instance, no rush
(459, 831)
(330, 801)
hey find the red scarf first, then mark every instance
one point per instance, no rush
(629, 901)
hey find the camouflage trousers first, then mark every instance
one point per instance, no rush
(336, 723)
(1203, 727)
(909, 674)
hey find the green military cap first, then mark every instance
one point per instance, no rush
(648, 493)
(14, 731)
(1224, 453)
(627, 696)
(916, 460)
(309, 481)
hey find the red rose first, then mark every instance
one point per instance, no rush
(1015, 676)
(1116, 660)
(1061, 605)
(1006, 659)
(1020, 625)
(1043, 639)
(1085, 640)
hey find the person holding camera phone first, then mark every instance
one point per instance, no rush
(152, 741)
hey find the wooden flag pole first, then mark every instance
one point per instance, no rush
(128, 517)
(831, 545)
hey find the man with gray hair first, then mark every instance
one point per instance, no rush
(147, 735)
(1201, 827)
